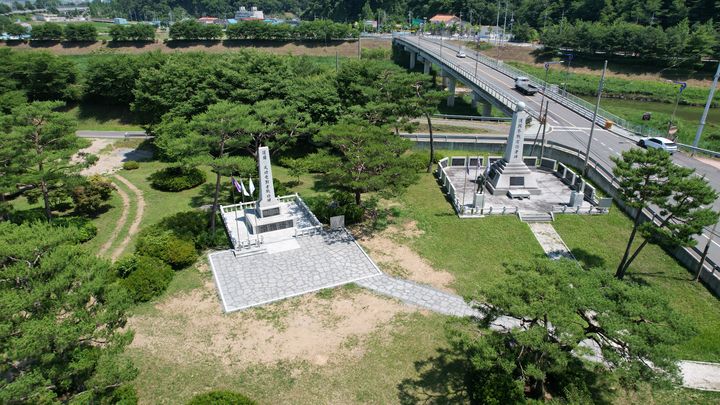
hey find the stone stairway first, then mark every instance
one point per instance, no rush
(534, 217)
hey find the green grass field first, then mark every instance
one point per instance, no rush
(599, 241)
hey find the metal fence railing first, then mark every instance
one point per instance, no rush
(502, 96)
(565, 98)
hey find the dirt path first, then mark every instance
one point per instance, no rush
(135, 225)
(121, 222)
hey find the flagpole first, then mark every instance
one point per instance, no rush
(467, 169)
(477, 170)
(237, 226)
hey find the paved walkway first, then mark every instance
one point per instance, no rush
(322, 261)
(550, 241)
(700, 375)
(418, 294)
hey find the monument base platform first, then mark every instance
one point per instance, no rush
(515, 176)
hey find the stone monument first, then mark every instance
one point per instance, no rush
(269, 214)
(510, 174)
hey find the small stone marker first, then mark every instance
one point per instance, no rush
(337, 222)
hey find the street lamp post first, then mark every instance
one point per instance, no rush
(592, 123)
(567, 70)
(683, 85)
(547, 68)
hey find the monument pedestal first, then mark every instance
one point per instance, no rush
(261, 224)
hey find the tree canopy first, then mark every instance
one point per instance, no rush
(61, 318)
(572, 333)
(650, 179)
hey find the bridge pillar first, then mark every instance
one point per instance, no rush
(426, 66)
(413, 58)
(487, 109)
(451, 90)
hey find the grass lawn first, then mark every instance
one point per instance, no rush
(103, 117)
(600, 241)
(473, 250)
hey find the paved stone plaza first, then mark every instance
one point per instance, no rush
(322, 261)
(553, 192)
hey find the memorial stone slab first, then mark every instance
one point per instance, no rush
(548, 164)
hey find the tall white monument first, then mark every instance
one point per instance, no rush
(267, 204)
(511, 173)
(269, 214)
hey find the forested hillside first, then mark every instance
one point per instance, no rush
(535, 13)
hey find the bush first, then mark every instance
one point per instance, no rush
(176, 252)
(89, 197)
(131, 165)
(339, 203)
(149, 278)
(123, 395)
(177, 178)
(221, 398)
(192, 225)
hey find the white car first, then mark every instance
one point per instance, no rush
(658, 143)
(461, 54)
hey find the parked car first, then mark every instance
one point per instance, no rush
(658, 143)
(461, 54)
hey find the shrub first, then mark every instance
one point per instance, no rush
(89, 197)
(123, 395)
(177, 178)
(221, 398)
(149, 278)
(131, 165)
(340, 203)
(176, 252)
(192, 225)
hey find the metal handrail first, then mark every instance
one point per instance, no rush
(498, 94)
(552, 91)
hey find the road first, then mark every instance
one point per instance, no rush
(571, 129)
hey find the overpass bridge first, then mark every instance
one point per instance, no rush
(569, 118)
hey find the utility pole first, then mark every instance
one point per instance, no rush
(705, 252)
(544, 125)
(592, 123)
(505, 21)
(707, 108)
(497, 31)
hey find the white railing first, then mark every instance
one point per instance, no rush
(236, 207)
(498, 94)
(299, 201)
(564, 209)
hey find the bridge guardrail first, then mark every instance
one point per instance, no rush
(505, 98)
(571, 101)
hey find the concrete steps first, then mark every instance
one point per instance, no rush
(536, 217)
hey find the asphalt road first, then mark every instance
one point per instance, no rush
(572, 129)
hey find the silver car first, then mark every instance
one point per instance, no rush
(658, 143)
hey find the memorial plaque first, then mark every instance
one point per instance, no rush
(337, 222)
(457, 162)
(517, 181)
